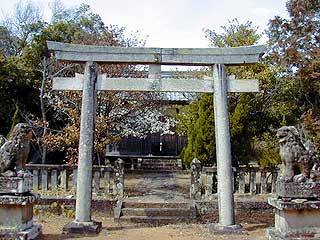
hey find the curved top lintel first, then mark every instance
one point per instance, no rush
(164, 56)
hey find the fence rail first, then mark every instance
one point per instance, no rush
(52, 177)
(247, 180)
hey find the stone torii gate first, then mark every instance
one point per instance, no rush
(91, 82)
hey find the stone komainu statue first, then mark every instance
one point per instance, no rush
(14, 152)
(301, 163)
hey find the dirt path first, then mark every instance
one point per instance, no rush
(152, 187)
(159, 187)
(52, 228)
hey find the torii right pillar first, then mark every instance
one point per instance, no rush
(223, 154)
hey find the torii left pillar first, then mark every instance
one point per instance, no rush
(83, 224)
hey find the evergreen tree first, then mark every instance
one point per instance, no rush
(249, 113)
(200, 131)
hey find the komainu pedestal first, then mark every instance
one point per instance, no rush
(16, 185)
(297, 201)
(16, 209)
(295, 219)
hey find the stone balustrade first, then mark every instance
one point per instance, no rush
(64, 177)
(247, 181)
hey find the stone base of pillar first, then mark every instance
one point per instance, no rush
(231, 229)
(76, 227)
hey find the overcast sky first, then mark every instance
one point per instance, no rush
(174, 23)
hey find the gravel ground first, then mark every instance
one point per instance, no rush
(52, 228)
(150, 187)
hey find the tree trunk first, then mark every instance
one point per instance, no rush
(43, 111)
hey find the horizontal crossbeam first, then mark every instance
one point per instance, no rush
(152, 85)
(164, 56)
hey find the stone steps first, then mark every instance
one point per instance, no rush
(155, 204)
(172, 212)
(153, 221)
(164, 164)
(159, 164)
(173, 161)
(156, 213)
(163, 167)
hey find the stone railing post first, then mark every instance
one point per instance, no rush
(118, 187)
(208, 186)
(139, 163)
(242, 181)
(54, 179)
(106, 182)
(44, 179)
(179, 163)
(35, 179)
(274, 178)
(195, 186)
(263, 182)
(75, 177)
(253, 182)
